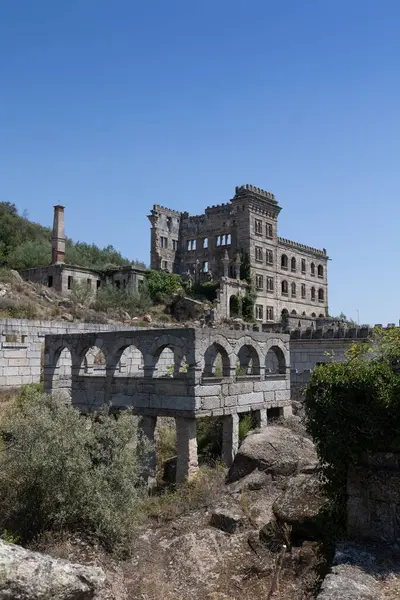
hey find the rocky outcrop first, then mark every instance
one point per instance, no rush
(274, 450)
(26, 575)
(300, 506)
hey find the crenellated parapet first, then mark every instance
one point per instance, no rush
(362, 332)
(244, 190)
(285, 242)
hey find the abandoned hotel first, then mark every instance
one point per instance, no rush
(289, 278)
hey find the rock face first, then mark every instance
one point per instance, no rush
(26, 575)
(276, 451)
(299, 506)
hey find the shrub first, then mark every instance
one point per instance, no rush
(206, 290)
(110, 297)
(61, 472)
(245, 425)
(162, 285)
(17, 309)
(353, 408)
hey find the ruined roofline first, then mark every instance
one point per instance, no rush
(303, 247)
(158, 207)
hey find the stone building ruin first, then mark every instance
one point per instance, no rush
(181, 373)
(62, 277)
(289, 278)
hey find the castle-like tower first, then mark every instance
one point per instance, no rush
(288, 277)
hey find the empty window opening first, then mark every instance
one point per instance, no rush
(303, 290)
(303, 265)
(165, 265)
(218, 240)
(191, 245)
(313, 315)
(223, 241)
(205, 243)
(313, 293)
(94, 362)
(275, 362)
(235, 306)
(70, 281)
(205, 266)
(165, 366)
(320, 271)
(293, 264)
(269, 257)
(258, 227)
(228, 239)
(270, 313)
(293, 288)
(259, 282)
(312, 269)
(285, 288)
(174, 244)
(270, 284)
(259, 312)
(130, 363)
(321, 295)
(248, 361)
(163, 242)
(259, 254)
(269, 230)
(98, 283)
(293, 312)
(62, 376)
(284, 261)
(50, 281)
(89, 284)
(118, 284)
(216, 361)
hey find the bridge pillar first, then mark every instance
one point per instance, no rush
(261, 418)
(186, 445)
(147, 449)
(230, 438)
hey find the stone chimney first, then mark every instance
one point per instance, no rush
(58, 237)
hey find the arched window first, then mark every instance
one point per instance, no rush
(248, 361)
(321, 295)
(320, 271)
(313, 315)
(303, 290)
(321, 315)
(275, 361)
(94, 362)
(293, 264)
(312, 269)
(284, 261)
(293, 312)
(269, 257)
(285, 288)
(284, 312)
(269, 230)
(216, 361)
(313, 293)
(293, 286)
(303, 314)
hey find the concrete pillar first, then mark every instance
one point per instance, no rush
(186, 445)
(261, 418)
(147, 450)
(58, 236)
(230, 438)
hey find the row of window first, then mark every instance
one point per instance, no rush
(220, 240)
(293, 266)
(285, 288)
(269, 256)
(164, 243)
(269, 313)
(259, 226)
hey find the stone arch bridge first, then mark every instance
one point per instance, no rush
(181, 373)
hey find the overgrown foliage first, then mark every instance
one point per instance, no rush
(205, 291)
(111, 297)
(63, 472)
(353, 408)
(24, 244)
(162, 285)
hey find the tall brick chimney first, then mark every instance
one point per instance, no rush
(58, 237)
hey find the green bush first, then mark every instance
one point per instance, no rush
(353, 408)
(162, 285)
(245, 425)
(111, 297)
(205, 291)
(62, 472)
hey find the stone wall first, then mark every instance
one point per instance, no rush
(373, 505)
(22, 347)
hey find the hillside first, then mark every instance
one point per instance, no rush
(24, 244)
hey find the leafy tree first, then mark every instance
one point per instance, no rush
(162, 285)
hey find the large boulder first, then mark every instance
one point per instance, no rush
(274, 450)
(26, 575)
(300, 506)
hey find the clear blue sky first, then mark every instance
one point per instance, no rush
(109, 106)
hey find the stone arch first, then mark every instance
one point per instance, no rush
(93, 362)
(321, 315)
(248, 360)
(293, 263)
(61, 381)
(313, 315)
(284, 311)
(165, 357)
(293, 312)
(128, 361)
(216, 361)
(275, 361)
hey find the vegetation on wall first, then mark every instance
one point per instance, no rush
(24, 244)
(205, 291)
(162, 285)
(353, 408)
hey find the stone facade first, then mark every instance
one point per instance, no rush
(181, 373)
(373, 504)
(289, 278)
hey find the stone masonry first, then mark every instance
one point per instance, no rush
(181, 373)
(289, 278)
